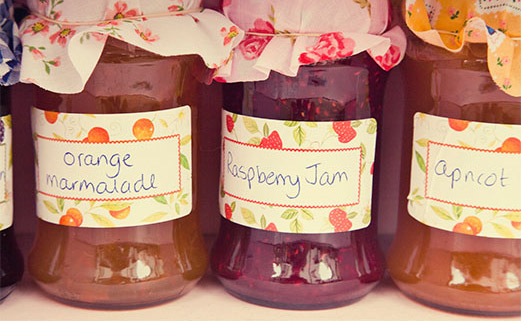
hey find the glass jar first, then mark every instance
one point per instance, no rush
(303, 270)
(456, 269)
(103, 267)
(11, 261)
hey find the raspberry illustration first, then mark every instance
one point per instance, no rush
(271, 227)
(228, 211)
(344, 226)
(337, 216)
(345, 132)
(273, 141)
(229, 123)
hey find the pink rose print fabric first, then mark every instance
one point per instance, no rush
(307, 32)
(60, 55)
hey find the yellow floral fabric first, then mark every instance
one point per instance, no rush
(449, 24)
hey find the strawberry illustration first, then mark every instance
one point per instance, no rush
(228, 211)
(271, 227)
(344, 226)
(229, 123)
(273, 141)
(337, 216)
(345, 132)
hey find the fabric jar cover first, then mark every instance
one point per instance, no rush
(60, 57)
(10, 47)
(450, 24)
(302, 32)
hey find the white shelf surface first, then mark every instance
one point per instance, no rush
(209, 301)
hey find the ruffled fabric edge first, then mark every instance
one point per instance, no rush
(65, 64)
(10, 46)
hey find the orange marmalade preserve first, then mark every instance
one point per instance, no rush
(457, 245)
(159, 254)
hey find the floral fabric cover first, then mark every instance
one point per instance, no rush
(316, 31)
(10, 47)
(60, 57)
(450, 24)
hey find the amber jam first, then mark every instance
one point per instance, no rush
(286, 270)
(102, 267)
(449, 269)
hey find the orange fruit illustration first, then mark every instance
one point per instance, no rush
(98, 135)
(463, 228)
(512, 145)
(475, 224)
(516, 225)
(72, 217)
(458, 124)
(51, 116)
(121, 214)
(143, 129)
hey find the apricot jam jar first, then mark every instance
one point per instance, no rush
(300, 163)
(116, 148)
(458, 242)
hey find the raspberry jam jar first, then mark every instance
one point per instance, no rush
(458, 242)
(11, 261)
(84, 253)
(274, 262)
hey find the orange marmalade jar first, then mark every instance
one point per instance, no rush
(141, 262)
(458, 242)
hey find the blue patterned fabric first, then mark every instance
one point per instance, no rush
(10, 46)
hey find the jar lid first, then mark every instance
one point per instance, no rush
(63, 39)
(282, 35)
(450, 24)
(10, 47)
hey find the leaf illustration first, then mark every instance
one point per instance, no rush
(58, 136)
(184, 162)
(171, 198)
(367, 218)
(76, 202)
(7, 121)
(371, 129)
(185, 140)
(91, 203)
(306, 214)
(161, 199)
(233, 205)
(352, 215)
(263, 222)
(248, 216)
(311, 124)
(420, 161)
(503, 230)
(250, 125)
(424, 142)
(177, 209)
(115, 206)
(289, 214)
(290, 123)
(266, 130)
(102, 221)
(50, 207)
(457, 210)
(234, 117)
(513, 216)
(464, 144)
(60, 202)
(415, 191)
(442, 213)
(183, 202)
(164, 123)
(1, 225)
(356, 123)
(300, 135)
(364, 150)
(295, 226)
(254, 141)
(154, 217)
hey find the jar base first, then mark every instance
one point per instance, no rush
(431, 298)
(354, 296)
(5, 291)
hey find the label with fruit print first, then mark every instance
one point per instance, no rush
(466, 176)
(297, 177)
(6, 173)
(113, 170)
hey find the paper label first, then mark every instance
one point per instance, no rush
(297, 177)
(113, 170)
(6, 173)
(466, 176)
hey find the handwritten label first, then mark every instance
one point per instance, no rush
(491, 6)
(114, 170)
(466, 176)
(299, 177)
(6, 173)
